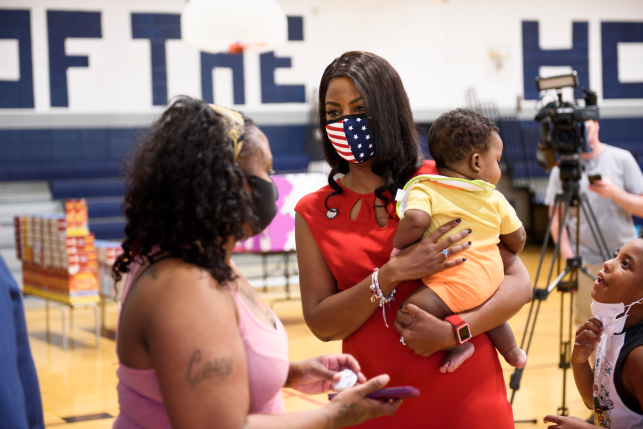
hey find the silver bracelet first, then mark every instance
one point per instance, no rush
(378, 295)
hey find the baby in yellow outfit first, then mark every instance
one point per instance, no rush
(467, 149)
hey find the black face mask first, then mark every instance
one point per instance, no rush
(264, 198)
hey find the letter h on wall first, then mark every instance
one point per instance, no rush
(614, 33)
(533, 57)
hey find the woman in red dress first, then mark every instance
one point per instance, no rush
(344, 234)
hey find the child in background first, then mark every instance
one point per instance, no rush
(467, 149)
(614, 389)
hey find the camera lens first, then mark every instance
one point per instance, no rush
(565, 136)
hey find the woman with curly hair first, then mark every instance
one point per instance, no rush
(347, 281)
(197, 346)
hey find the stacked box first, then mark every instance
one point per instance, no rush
(76, 216)
(16, 228)
(107, 253)
(55, 257)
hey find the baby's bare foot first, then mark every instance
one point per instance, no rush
(516, 357)
(456, 357)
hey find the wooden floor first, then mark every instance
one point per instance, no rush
(81, 381)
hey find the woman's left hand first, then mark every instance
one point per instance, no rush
(567, 422)
(317, 375)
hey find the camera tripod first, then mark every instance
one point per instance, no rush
(569, 197)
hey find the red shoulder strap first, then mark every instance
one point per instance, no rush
(427, 167)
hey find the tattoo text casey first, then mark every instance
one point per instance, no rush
(218, 367)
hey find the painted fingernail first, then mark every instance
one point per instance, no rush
(469, 231)
(458, 220)
(468, 243)
(464, 259)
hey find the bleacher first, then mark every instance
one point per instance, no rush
(104, 198)
(40, 168)
(520, 143)
(87, 163)
(77, 163)
(521, 139)
(33, 197)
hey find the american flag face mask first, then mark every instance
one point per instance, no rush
(351, 137)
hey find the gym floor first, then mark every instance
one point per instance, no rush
(78, 385)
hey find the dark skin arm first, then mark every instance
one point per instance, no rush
(633, 374)
(333, 315)
(587, 338)
(189, 328)
(516, 240)
(428, 334)
(411, 228)
(429, 301)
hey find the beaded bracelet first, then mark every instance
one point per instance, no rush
(377, 295)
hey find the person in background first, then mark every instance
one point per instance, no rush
(614, 199)
(197, 346)
(614, 388)
(20, 403)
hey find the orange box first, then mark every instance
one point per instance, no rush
(76, 218)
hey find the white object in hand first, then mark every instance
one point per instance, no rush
(349, 378)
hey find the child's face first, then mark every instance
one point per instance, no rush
(621, 278)
(489, 168)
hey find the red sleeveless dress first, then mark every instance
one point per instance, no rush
(474, 396)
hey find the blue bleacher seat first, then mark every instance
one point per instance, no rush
(45, 170)
(104, 199)
(290, 163)
(87, 188)
(104, 207)
(108, 230)
(510, 133)
(519, 169)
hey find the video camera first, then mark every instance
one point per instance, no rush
(563, 123)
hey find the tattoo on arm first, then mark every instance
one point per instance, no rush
(153, 272)
(218, 367)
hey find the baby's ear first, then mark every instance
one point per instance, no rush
(475, 162)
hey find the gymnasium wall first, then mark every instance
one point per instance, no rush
(79, 79)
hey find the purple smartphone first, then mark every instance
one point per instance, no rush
(390, 393)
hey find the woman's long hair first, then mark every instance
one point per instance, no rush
(184, 191)
(397, 154)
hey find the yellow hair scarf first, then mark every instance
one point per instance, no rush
(235, 127)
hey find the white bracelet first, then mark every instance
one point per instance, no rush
(377, 294)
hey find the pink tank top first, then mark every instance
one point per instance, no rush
(139, 396)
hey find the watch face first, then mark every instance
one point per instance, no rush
(464, 332)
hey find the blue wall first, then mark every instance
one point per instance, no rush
(64, 153)
(99, 152)
(626, 130)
